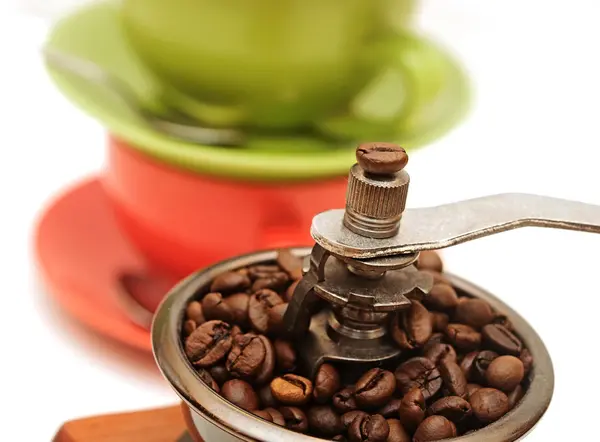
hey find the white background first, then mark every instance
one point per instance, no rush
(534, 128)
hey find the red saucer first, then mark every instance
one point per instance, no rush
(90, 267)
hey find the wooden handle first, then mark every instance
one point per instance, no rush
(158, 425)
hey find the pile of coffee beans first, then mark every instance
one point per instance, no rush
(462, 365)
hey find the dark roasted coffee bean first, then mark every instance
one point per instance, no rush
(194, 312)
(230, 282)
(480, 365)
(323, 420)
(285, 354)
(290, 263)
(258, 308)
(474, 312)
(374, 388)
(412, 409)
(489, 404)
(381, 158)
(463, 337)
(289, 293)
(453, 408)
(214, 307)
(291, 389)
(189, 326)
(440, 352)
(209, 343)
(348, 418)
(275, 281)
(238, 304)
(220, 374)
(344, 401)
(439, 321)
(500, 339)
(418, 372)
(295, 419)
(455, 382)
(527, 360)
(266, 397)
(441, 297)
(430, 260)
(262, 271)
(275, 321)
(263, 414)
(326, 384)
(436, 338)
(276, 416)
(397, 432)
(434, 428)
(390, 409)
(505, 373)
(240, 393)
(515, 396)
(369, 428)
(208, 379)
(265, 373)
(466, 365)
(246, 357)
(412, 329)
(472, 388)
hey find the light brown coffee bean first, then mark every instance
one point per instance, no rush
(430, 260)
(291, 389)
(434, 428)
(442, 297)
(505, 373)
(489, 404)
(474, 312)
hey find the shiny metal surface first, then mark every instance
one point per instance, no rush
(438, 227)
(218, 419)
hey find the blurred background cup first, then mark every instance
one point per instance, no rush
(264, 63)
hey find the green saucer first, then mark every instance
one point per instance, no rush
(95, 33)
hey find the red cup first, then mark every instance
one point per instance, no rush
(181, 221)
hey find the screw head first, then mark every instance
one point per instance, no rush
(381, 158)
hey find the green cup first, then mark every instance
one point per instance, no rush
(275, 64)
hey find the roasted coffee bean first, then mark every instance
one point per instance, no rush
(435, 338)
(266, 397)
(275, 281)
(291, 389)
(439, 321)
(440, 352)
(194, 312)
(504, 321)
(262, 271)
(480, 365)
(412, 409)
(246, 357)
(344, 401)
(489, 404)
(463, 337)
(453, 408)
(527, 360)
(505, 373)
(466, 365)
(397, 432)
(230, 282)
(374, 388)
(238, 304)
(240, 393)
(327, 383)
(418, 372)
(474, 312)
(430, 260)
(412, 329)
(235, 330)
(258, 309)
(441, 297)
(220, 374)
(369, 428)
(390, 409)
(289, 293)
(500, 339)
(275, 321)
(285, 354)
(515, 396)
(209, 343)
(455, 382)
(276, 416)
(214, 307)
(290, 263)
(434, 428)
(295, 419)
(348, 418)
(472, 388)
(189, 326)
(323, 420)
(208, 379)
(265, 373)
(381, 158)
(263, 414)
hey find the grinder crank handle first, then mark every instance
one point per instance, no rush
(450, 224)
